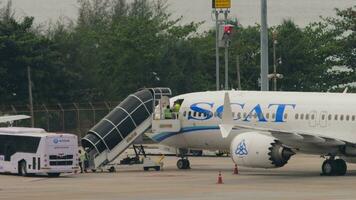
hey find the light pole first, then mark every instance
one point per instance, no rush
(217, 50)
(264, 47)
(274, 62)
(226, 56)
(220, 6)
(30, 95)
(274, 76)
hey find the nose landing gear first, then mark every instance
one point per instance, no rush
(332, 167)
(183, 163)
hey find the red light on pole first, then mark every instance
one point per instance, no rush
(228, 29)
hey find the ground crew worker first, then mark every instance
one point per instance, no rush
(86, 162)
(167, 113)
(81, 160)
(176, 110)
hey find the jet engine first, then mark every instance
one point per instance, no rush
(253, 149)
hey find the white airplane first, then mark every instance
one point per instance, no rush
(264, 129)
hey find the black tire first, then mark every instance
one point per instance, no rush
(328, 168)
(180, 164)
(157, 168)
(53, 175)
(23, 168)
(93, 170)
(341, 167)
(183, 164)
(188, 164)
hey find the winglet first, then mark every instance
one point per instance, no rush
(227, 121)
(345, 90)
(12, 118)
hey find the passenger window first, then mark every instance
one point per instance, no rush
(323, 117)
(312, 117)
(285, 116)
(273, 115)
(302, 116)
(307, 117)
(195, 114)
(267, 115)
(341, 117)
(190, 113)
(329, 117)
(347, 117)
(184, 113)
(336, 117)
(199, 114)
(296, 116)
(353, 117)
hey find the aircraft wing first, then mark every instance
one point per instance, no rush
(11, 118)
(296, 137)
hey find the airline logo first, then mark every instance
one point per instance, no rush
(206, 109)
(241, 149)
(60, 140)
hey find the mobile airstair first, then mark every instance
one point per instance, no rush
(108, 139)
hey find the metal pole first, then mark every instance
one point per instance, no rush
(30, 96)
(217, 50)
(264, 47)
(226, 56)
(274, 66)
(238, 72)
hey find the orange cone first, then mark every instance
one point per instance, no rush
(236, 170)
(220, 181)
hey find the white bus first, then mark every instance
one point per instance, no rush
(27, 151)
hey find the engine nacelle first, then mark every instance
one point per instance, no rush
(252, 149)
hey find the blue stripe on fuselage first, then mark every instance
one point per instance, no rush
(164, 135)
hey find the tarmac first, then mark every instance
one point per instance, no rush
(299, 179)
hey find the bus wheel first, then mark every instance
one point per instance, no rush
(22, 168)
(54, 174)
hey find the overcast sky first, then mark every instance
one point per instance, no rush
(247, 11)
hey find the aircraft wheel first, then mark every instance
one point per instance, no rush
(328, 168)
(341, 167)
(180, 164)
(187, 164)
(336, 167)
(183, 164)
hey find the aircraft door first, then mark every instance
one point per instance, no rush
(323, 118)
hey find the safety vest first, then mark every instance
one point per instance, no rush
(176, 108)
(167, 113)
(82, 157)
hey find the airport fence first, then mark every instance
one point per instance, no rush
(75, 118)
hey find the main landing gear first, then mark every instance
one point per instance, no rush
(334, 167)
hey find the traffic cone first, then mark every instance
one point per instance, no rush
(220, 181)
(236, 170)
